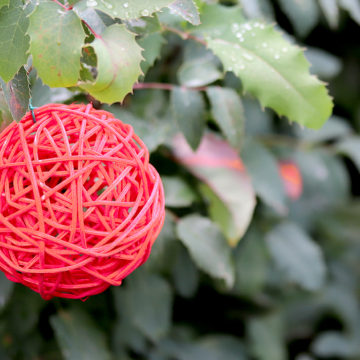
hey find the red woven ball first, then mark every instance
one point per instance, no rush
(80, 205)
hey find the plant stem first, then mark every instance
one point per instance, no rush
(67, 8)
(164, 86)
(184, 35)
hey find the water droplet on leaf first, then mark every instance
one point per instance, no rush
(91, 3)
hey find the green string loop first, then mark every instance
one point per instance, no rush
(31, 107)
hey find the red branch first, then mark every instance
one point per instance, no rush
(68, 8)
(62, 5)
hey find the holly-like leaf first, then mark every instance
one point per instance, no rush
(56, 39)
(124, 9)
(228, 113)
(226, 185)
(152, 45)
(14, 42)
(118, 64)
(270, 68)
(189, 112)
(207, 247)
(17, 94)
(187, 9)
(78, 336)
(297, 256)
(303, 14)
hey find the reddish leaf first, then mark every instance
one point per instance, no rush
(226, 184)
(292, 179)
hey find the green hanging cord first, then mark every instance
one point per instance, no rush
(31, 107)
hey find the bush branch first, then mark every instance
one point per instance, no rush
(164, 86)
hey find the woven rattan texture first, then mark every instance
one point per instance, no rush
(80, 205)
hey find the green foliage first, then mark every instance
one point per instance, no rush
(303, 14)
(242, 269)
(251, 264)
(17, 94)
(189, 112)
(118, 60)
(147, 302)
(177, 192)
(78, 336)
(260, 56)
(266, 335)
(297, 256)
(4, 3)
(227, 187)
(186, 9)
(124, 9)
(264, 171)
(200, 67)
(331, 11)
(210, 251)
(14, 43)
(56, 40)
(6, 288)
(228, 113)
(152, 44)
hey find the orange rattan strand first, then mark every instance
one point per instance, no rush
(80, 205)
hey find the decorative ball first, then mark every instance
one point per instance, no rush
(80, 205)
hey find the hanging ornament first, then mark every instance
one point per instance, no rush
(80, 205)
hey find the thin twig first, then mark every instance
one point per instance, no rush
(91, 29)
(184, 35)
(67, 8)
(164, 86)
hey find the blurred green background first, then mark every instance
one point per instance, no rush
(290, 288)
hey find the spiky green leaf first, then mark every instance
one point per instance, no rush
(270, 68)
(119, 58)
